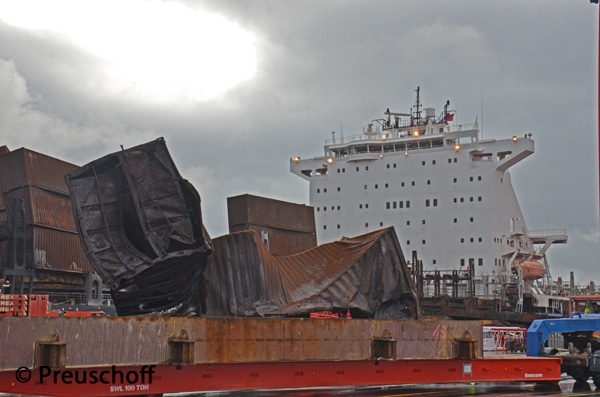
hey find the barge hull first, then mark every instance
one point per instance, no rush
(155, 355)
(156, 380)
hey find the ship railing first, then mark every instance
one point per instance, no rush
(74, 298)
(455, 284)
(508, 250)
(374, 134)
(547, 233)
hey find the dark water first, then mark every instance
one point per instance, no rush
(512, 390)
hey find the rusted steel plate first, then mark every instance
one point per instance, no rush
(24, 167)
(69, 257)
(145, 340)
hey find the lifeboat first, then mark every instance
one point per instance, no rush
(532, 270)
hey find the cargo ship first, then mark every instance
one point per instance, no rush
(448, 194)
(193, 314)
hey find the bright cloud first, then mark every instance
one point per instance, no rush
(155, 50)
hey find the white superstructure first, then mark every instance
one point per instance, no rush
(447, 193)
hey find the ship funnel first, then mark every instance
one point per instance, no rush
(429, 114)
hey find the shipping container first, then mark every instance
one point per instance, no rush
(285, 228)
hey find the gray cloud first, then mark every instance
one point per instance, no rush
(519, 67)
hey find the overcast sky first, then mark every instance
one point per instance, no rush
(238, 87)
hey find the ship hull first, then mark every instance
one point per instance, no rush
(155, 355)
(158, 380)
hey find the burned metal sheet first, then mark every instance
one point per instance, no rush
(141, 226)
(366, 275)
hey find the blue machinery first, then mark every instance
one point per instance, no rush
(540, 330)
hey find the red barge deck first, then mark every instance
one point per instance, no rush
(110, 356)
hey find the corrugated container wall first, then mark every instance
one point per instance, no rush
(285, 228)
(39, 180)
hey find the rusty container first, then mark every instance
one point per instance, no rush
(38, 181)
(286, 228)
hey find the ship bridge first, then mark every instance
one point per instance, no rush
(557, 236)
(374, 142)
(548, 237)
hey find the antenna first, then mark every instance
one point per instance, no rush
(481, 112)
(417, 113)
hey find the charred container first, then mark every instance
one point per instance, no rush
(40, 249)
(141, 227)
